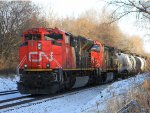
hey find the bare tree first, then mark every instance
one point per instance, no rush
(14, 17)
(139, 8)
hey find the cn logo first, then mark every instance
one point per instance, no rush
(41, 54)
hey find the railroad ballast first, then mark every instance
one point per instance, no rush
(52, 60)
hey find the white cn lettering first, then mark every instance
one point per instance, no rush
(41, 54)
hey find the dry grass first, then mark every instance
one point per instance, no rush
(148, 63)
(140, 94)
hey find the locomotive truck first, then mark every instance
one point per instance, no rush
(51, 60)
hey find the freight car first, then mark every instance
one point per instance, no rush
(52, 60)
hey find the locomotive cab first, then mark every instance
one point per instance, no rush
(97, 55)
(39, 46)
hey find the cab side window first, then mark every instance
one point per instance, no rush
(46, 37)
(53, 36)
(96, 48)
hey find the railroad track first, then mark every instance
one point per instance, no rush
(16, 101)
(8, 92)
(13, 99)
(33, 100)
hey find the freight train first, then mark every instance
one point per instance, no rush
(52, 60)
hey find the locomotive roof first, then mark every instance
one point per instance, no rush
(38, 30)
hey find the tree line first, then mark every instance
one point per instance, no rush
(17, 16)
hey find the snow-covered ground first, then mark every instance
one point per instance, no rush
(117, 89)
(83, 102)
(7, 84)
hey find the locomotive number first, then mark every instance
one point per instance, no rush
(40, 55)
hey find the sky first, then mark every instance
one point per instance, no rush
(67, 8)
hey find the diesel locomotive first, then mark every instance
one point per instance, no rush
(51, 60)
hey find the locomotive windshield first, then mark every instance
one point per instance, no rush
(53, 36)
(32, 37)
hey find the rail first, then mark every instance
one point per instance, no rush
(8, 92)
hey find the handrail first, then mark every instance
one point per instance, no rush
(57, 63)
(20, 64)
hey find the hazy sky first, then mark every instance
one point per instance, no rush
(65, 8)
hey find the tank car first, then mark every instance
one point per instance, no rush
(140, 64)
(144, 59)
(133, 62)
(125, 63)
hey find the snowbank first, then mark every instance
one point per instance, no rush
(7, 84)
(115, 90)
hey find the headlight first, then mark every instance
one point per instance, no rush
(47, 65)
(39, 46)
(25, 66)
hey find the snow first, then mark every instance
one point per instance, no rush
(83, 102)
(7, 84)
(66, 104)
(116, 89)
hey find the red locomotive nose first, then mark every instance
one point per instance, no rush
(39, 55)
(36, 56)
